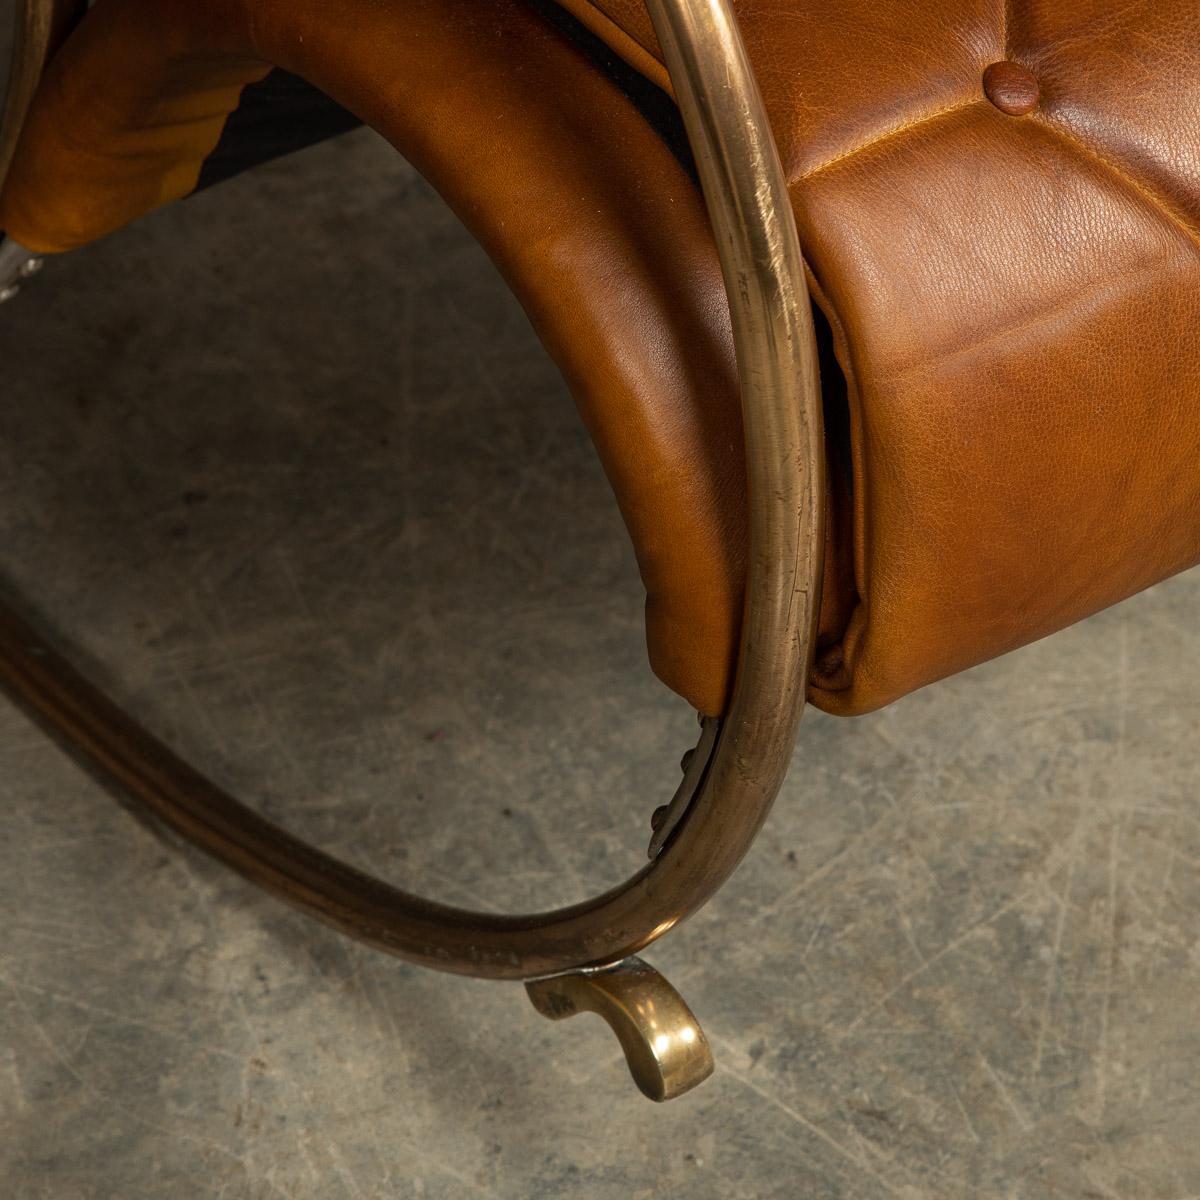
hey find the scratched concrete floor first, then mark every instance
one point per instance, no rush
(287, 468)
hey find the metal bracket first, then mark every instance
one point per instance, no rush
(16, 266)
(695, 767)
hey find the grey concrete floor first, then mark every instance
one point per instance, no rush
(287, 469)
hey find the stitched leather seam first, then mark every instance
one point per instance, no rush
(886, 136)
(1157, 201)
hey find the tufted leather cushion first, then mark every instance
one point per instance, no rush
(1015, 292)
(1011, 288)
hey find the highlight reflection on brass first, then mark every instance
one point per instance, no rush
(664, 1045)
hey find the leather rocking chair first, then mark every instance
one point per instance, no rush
(968, 416)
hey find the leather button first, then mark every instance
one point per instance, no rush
(1012, 88)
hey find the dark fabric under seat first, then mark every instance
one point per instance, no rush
(277, 116)
(283, 113)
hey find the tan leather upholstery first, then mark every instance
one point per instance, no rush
(1013, 298)
(608, 249)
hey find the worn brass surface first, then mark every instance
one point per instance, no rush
(664, 1045)
(40, 27)
(748, 204)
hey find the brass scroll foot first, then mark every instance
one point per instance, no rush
(664, 1045)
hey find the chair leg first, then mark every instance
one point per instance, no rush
(664, 1045)
(16, 266)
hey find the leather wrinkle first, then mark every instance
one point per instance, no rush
(1154, 199)
(1111, 287)
(884, 138)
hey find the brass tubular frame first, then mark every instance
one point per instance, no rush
(748, 203)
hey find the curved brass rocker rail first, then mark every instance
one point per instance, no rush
(748, 205)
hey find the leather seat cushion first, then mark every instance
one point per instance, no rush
(1015, 300)
(1011, 300)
